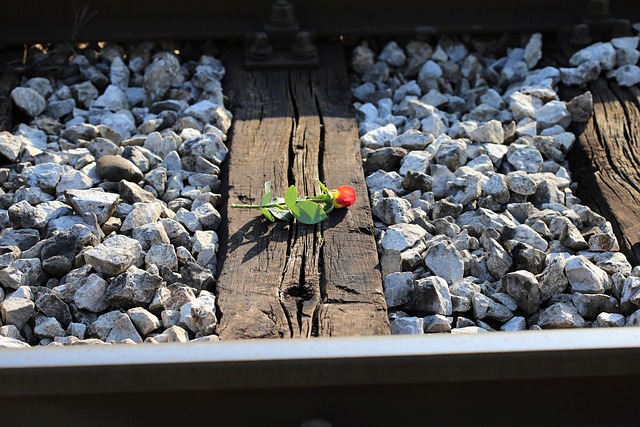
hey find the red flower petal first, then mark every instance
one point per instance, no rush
(343, 196)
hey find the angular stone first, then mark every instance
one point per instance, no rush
(581, 107)
(524, 157)
(517, 323)
(444, 260)
(398, 288)
(199, 316)
(144, 321)
(48, 327)
(123, 330)
(498, 261)
(49, 304)
(524, 288)
(114, 256)
(21, 272)
(609, 320)
(490, 132)
(159, 75)
(407, 326)
(208, 146)
(484, 307)
(553, 113)
(28, 101)
(602, 53)
(590, 305)
(560, 315)
(135, 287)
(630, 297)
(162, 255)
(141, 214)
(402, 236)
(91, 295)
(585, 277)
(17, 311)
(431, 295)
(437, 323)
(412, 140)
(101, 203)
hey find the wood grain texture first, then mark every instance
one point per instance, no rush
(289, 279)
(606, 162)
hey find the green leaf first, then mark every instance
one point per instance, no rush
(266, 199)
(281, 214)
(268, 214)
(309, 212)
(291, 197)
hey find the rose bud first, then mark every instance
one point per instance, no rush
(343, 196)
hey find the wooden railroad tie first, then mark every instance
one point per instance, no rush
(290, 279)
(606, 161)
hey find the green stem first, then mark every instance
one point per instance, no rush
(269, 205)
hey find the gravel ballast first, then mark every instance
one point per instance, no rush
(477, 224)
(108, 201)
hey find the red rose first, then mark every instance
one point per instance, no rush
(343, 196)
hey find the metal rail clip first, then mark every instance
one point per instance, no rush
(281, 44)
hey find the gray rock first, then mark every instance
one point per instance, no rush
(553, 113)
(517, 323)
(581, 107)
(116, 168)
(381, 180)
(209, 146)
(521, 183)
(173, 334)
(613, 262)
(590, 305)
(524, 288)
(23, 215)
(392, 54)
(159, 75)
(141, 214)
(585, 277)
(437, 323)
(162, 255)
(524, 157)
(21, 272)
(6, 342)
(379, 137)
(114, 256)
(144, 321)
(101, 203)
(199, 316)
(51, 305)
(452, 154)
(11, 145)
(525, 234)
(444, 260)
(402, 236)
(609, 320)
(431, 295)
(602, 53)
(113, 99)
(123, 330)
(45, 176)
(407, 326)
(630, 297)
(10, 331)
(526, 257)
(627, 75)
(135, 287)
(560, 315)
(103, 325)
(496, 186)
(412, 140)
(552, 280)
(91, 295)
(484, 307)
(498, 261)
(17, 311)
(398, 288)
(533, 50)
(119, 73)
(48, 327)
(633, 319)
(393, 210)
(415, 161)
(490, 132)
(386, 159)
(28, 100)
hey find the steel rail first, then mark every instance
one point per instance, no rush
(265, 364)
(36, 21)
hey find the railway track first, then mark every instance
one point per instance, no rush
(445, 379)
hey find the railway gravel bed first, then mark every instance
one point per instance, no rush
(108, 198)
(478, 228)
